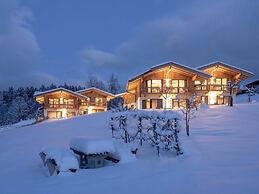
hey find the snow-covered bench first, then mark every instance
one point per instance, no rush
(92, 152)
(59, 160)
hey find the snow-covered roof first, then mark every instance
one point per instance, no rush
(59, 89)
(120, 94)
(226, 65)
(172, 63)
(92, 146)
(94, 88)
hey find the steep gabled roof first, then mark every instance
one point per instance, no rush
(59, 89)
(237, 69)
(173, 64)
(96, 89)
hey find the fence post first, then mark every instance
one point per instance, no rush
(140, 129)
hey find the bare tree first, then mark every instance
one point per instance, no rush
(250, 92)
(232, 85)
(188, 111)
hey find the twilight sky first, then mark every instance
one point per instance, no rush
(56, 41)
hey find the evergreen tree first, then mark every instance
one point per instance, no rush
(93, 81)
(114, 86)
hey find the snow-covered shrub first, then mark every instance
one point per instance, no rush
(160, 129)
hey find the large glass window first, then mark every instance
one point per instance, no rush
(154, 86)
(152, 103)
(178, 86)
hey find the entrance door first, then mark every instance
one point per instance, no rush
(58, 114)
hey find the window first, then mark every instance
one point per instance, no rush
(181, 83)
(178, 86)
(61, 100)
(71, 101)
(51, 101)
(175, 83)
(146, 104)
(224, 81)
(92, 99)
(83, 102)
(196, 82)
(152, 103)
(218, 81)
(56, 101)
(154, 86)
(99, 100)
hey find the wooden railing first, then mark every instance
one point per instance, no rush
(160, 90)
(100, 104)
(211, 87)
(67, 106)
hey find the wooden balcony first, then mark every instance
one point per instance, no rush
(163, 90)
(66, 106)
(211, 87)
(99, 104)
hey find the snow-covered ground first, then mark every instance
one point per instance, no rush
(221, 156)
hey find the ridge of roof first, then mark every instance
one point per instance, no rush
(226, 64)
(94, 88)
(168, 63)
(57, 89)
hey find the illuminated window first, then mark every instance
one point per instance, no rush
(71, 101)
(197, 82)
(154, 86)
(51, 101)
(56, 101)
(218, 81)
(156, 83)
(178, 86)
(224, 81)
(61, 100)
(181, 83)
(175, 83)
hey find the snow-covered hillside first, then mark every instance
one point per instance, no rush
(221, 156)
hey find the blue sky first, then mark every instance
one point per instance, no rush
(56, 41)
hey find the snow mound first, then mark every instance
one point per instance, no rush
(65, 159)
(92, 146)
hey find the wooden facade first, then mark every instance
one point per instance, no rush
(167, 86)
(63, 103)
(98, 99)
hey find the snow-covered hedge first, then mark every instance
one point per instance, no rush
(159, 128)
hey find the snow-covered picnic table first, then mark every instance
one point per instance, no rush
(93, 152)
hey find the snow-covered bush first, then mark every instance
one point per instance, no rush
(160, 129)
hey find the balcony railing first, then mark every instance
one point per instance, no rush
(67, 106)
(211, 87)
(158, 90)
(100, 104)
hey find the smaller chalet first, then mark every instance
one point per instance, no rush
(63, 103)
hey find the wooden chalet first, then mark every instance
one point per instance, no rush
(168, 85)
(98, 99)
(63, 103)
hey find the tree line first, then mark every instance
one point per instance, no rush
(18, 104)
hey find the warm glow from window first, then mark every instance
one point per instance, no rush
(175, 83)
(224, 81)
(156, 83)
(212, 97)
(196, 82)
(167, 82)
